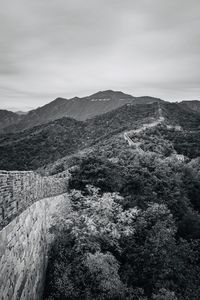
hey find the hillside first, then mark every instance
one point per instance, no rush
(77, 108)
(192, 105)
(178, 133)
(46, 143)
(134, 205)
(8, 118)
(176, 114)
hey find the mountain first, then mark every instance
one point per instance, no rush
(77, 108)
(176, 114)
(46, 143)
(192, 105)
(40, 145)
(147, 100)
(176, 135)
(8, 118)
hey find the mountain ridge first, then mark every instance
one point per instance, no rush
(46, 143)
(8, 118)
(78, 108)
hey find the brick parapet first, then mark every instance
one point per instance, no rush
(20, 189)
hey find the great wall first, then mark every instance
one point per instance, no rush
(129, 134)
(27, 203)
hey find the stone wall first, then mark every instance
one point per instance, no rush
(19, 190)
(23, 250)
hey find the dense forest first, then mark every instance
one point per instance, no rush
(41, 145)
(45, 144)
(133, 228)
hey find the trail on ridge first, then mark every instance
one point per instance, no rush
(131, 133)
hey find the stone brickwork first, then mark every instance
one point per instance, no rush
(24, 246)
(19, 190)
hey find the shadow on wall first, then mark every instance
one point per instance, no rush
(24, 247)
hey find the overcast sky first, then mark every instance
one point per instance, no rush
(51, 48)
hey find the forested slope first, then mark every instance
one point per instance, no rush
(133, 231)
(46, 143)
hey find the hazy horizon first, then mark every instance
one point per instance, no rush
(69, 48)
(26, 109)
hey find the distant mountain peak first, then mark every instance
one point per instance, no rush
(77, 108)
(75, 98)
(110, 93)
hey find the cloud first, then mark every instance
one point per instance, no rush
(65, 48)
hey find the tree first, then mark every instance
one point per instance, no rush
(105, 282)
(81, 259)
(98, 172)
(164, 294)
(146, 256)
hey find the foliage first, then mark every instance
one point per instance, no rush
(106, 251)
(84, 266)
(185, 142)
(46, 143)
(164, 294)
(98, 172)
